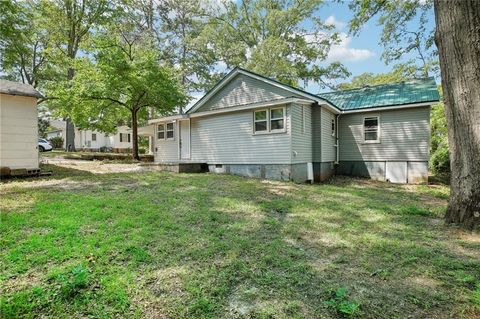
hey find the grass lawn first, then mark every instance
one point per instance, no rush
(161, 245)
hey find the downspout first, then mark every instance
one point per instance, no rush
(337, 157)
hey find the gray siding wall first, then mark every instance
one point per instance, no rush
(301, 133)
(229, 139)
(243, 90)
(166, 150)
(316, 134)
(328, 141)
(404, 136)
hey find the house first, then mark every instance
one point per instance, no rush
(89, 140)
(18, 127)
(254, 126)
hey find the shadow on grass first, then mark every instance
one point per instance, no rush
(166, 245)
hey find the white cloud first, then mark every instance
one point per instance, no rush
(344, 53)
(331, 20)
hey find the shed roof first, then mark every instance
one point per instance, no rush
(402, 93)
(17, 88)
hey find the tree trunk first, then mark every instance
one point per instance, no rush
(135, 136)
(458, 41)
(70, 128)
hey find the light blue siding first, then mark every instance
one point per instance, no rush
(404, 136)
(301, 133)
(228, 139)
(243, 90)
(328, 140)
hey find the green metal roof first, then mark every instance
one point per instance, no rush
(407, 92)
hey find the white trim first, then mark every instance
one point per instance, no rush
(168, 118)
(287, 88)
(284, 110)
(235, 72)
(251, 107)
(386, 108)
(267, 130)
(378, 140)
(268, 119)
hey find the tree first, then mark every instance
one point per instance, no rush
(43, 126)
(181, 26)
(25, 44)
(70, 22)
(284, 40)
(458, 37)
(400, 72)
(406, 30)
(122, 80)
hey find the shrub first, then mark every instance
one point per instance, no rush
(57, 142)
(440, 161)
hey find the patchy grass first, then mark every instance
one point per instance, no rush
(160, 245)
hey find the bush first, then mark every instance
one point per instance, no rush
(57, 142)
(440, 161)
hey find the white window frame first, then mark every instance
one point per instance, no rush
(269, 119)
(172, 130)
(333, 126)
(378, 130)
(165, 138)
(162, 130)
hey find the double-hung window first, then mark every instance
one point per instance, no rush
(277, 119)
(169, 131)
(270, 120)
(161, 131)
(371, 132)
(165, 131)
(261, 121)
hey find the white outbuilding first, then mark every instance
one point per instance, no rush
(18, 127)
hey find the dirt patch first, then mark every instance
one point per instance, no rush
(95, 167)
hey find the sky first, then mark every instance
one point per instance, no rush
(360, 54)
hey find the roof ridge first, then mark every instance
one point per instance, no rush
(379, 85)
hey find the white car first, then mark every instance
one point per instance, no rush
(44, 145)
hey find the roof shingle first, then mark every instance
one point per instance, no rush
(17, 88)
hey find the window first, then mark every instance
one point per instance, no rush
(161, 131)
(169, 131)
(272, 120)
(124, 137)
(277, 119)
(261, 121)
(165, 131)
(370, 129)
(333, 127)
(94, 137)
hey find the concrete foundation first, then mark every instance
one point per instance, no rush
(323, 171)
(177, 167)
(280, 172)
(411, 172)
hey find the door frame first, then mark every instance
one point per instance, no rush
(180, 139)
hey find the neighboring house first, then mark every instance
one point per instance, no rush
(18, 126)
(89, 140)
(254, 126)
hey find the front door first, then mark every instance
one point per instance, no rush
(185, 139)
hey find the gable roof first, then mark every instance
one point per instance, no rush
(17, 88)
(395, 94)
(227, 78)
(417, 91)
